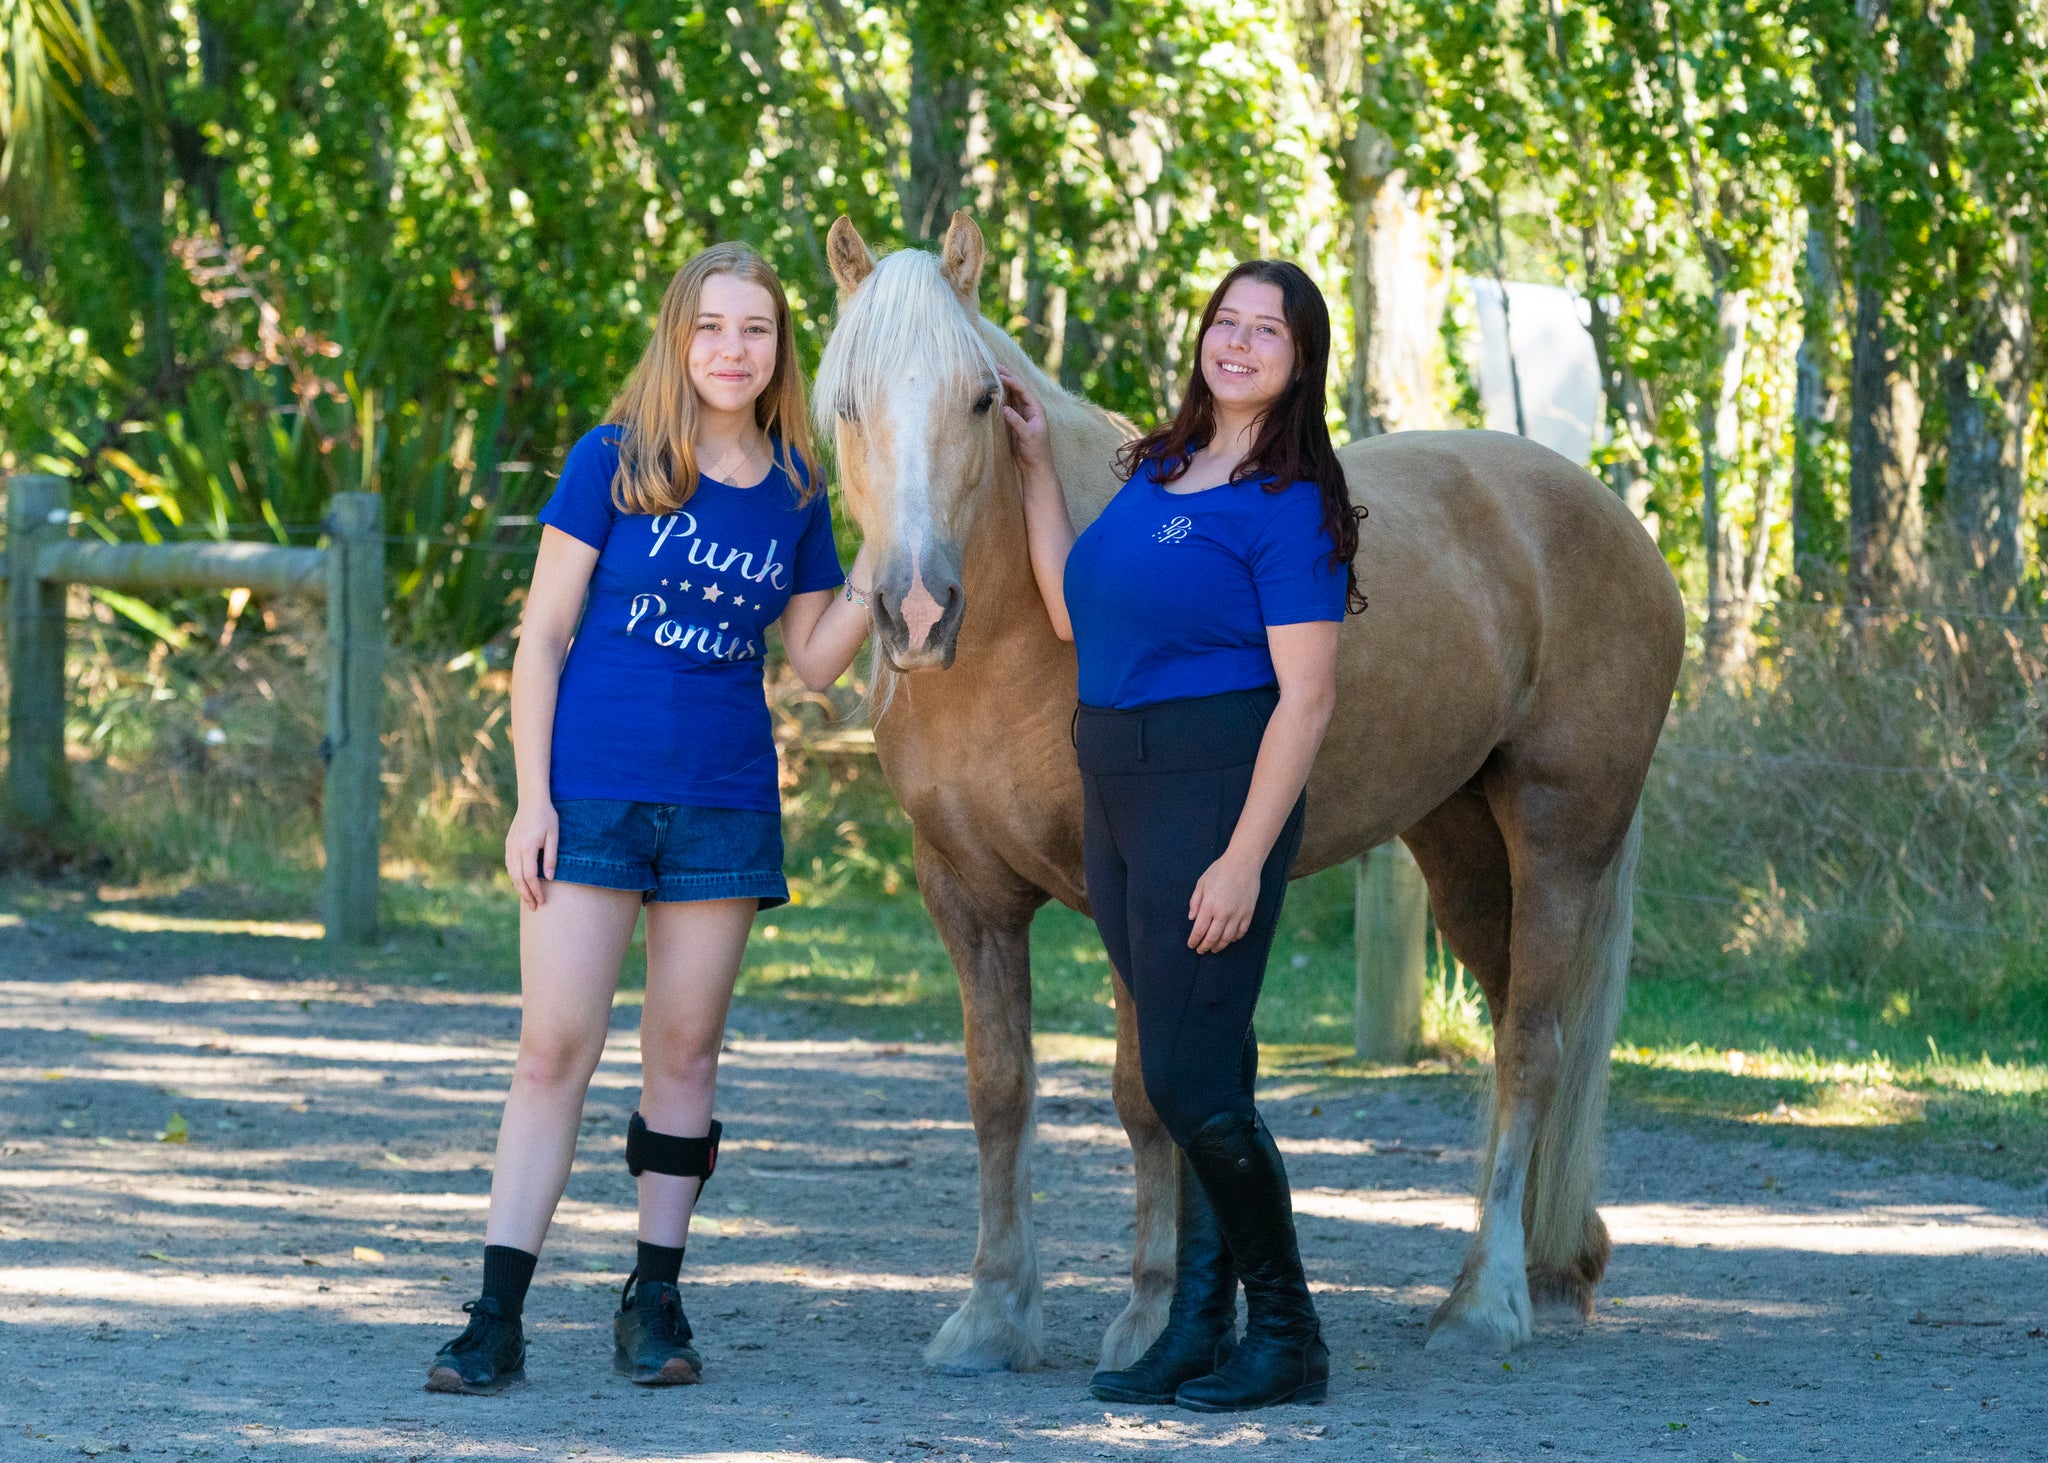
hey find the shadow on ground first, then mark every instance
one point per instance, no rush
(273, 1283)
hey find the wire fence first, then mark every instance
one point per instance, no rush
(1847, 916)
(1801, 760)
(1763, 761)
(1851, 609)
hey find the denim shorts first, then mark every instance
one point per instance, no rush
(669, 852)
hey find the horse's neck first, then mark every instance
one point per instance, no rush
(1085, 438)
(1003, 598)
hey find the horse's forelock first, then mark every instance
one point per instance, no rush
(903, 313)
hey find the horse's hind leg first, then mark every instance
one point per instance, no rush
(1153, 1167)
(1540, 1239)
(1471, 888)
(1471, 896)
(1002, 1325)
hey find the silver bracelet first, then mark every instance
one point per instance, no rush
(856, 596)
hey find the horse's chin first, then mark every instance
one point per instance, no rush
(932, 658)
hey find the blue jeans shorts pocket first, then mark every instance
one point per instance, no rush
(670, 852)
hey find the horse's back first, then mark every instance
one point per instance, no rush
(1511, 595)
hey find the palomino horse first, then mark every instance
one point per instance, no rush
(1497, 707)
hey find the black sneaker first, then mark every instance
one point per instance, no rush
(488, 1356)
(652, 1336)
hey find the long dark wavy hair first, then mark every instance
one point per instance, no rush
(1293, 441)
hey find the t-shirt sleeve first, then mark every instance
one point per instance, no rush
(817, 556)
(1291, 568)
(582, 503)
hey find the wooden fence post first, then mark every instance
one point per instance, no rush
(350, 815)
(1392, 933)
(38, 783)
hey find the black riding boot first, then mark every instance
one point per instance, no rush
(1282, 1357)
(1197, 1338)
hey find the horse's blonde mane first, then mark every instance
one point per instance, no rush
(905, 298)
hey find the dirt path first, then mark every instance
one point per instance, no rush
(272, 1286)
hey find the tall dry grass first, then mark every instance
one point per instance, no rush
(1861, 811)
(1861, 808)
(204, 761)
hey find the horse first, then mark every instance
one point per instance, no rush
(1497, 707)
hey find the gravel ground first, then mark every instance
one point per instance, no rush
(273, 1285)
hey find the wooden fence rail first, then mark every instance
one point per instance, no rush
(1392, 912)
(42, 558)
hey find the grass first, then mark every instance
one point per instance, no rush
(1877, 1081)
(1817, 990)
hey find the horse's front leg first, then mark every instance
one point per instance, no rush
(1152, 1163)
(987, 932)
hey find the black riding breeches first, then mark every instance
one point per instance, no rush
(1164, 787)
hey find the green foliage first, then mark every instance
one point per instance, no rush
(1663, 158)
(412, 245)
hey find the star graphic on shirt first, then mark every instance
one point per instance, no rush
(684, 586)
(738, 603)
(713, 593)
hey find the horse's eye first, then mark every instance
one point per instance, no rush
(848, 415)
(983, 402)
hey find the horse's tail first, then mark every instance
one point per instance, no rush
(1567, 1243)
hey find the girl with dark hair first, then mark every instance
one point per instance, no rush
(1204, 605)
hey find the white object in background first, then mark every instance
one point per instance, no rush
(1560, 376)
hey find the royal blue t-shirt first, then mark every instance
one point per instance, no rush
(661, 698)
(1170, 594)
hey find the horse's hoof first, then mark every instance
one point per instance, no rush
(1468, 1324)
(974, 1343)
(969, 1367)
(1469, 1336)
(1560, 1300)
(1129, 1335)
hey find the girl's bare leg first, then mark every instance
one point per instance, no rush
(570, 950)
(693, 958)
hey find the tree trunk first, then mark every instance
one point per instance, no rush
(1886, 529)
(1370, 160)
(941, 84)
(1988, 384)
(1398, 285)
(1731, 604)
(1624, 401)
(1813, 406)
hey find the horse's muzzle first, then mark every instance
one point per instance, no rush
(917, 624)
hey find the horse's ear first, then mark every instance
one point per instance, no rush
(961, 258)
(848, 255)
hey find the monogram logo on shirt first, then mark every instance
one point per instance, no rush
(1175, 530)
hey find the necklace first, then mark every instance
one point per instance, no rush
(741, 458)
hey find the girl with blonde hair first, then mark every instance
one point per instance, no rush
(689, 522)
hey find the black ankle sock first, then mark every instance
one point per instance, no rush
(507, 1273)
(659, 1262)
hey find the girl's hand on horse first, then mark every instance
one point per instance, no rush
(1224, 899)
(530, 851)
(1030, 439)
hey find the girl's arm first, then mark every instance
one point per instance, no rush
(821, 630)
(554, 603)
(1047, 526)
(1305, 660)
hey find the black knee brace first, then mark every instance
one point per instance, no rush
(650, 1152)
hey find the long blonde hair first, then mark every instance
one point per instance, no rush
(657, 407)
